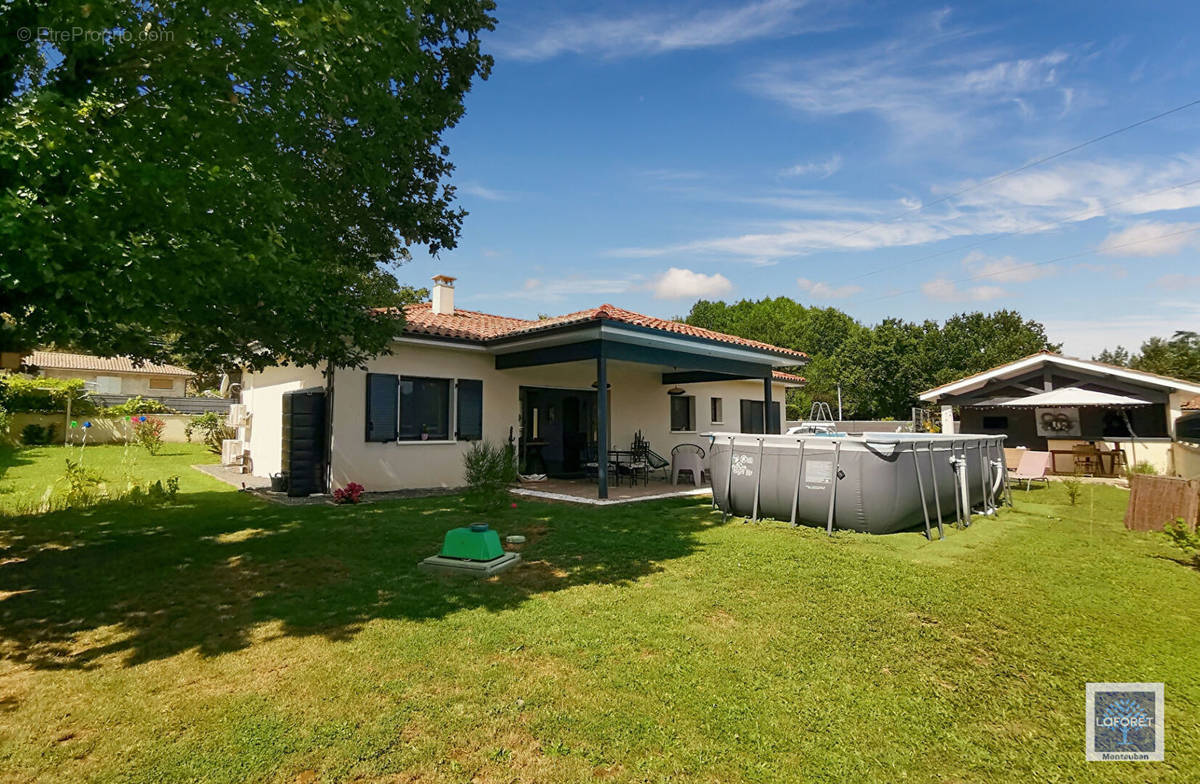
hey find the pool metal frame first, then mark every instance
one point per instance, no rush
(993, 475)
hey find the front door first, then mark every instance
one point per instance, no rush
(557, 430)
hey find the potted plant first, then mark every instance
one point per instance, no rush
(424, 432)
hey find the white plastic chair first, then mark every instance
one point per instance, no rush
(689, 458)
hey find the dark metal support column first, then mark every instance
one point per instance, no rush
(767, 404)
(602, 425)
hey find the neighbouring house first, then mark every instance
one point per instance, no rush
(111, 376)
(1064, 405)
(560, 390)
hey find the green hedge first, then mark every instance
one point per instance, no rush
(23, 394)
(136, 405)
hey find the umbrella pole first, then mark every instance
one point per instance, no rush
(1132, 439)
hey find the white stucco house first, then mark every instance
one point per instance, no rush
(456, 376)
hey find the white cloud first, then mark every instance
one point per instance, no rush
(1178, 281)
(678, 283)
(558, 289)
(1027, 203)
(489, 194)
(1005, 269)
(1113, 271)
(819, 290)
(920, 83)
(946, 290)
(649, 33)
(1149, 238)
(823, 169)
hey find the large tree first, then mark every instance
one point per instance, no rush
(236, 178)
(1177, 356)
(882, 368)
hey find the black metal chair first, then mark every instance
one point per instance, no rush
(591, 465)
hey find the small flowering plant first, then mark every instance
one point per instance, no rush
(350, 494)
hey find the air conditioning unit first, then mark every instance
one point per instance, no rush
(238, 415)
(231, 451)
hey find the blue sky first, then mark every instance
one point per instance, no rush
(648, 155)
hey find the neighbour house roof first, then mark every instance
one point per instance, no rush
(472, 325)
(61, 360)
(1034, 361)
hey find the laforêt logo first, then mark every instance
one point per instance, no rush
(1125, 722)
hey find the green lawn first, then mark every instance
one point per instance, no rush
(227, 639)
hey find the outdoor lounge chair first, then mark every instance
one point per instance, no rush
(1033, 467)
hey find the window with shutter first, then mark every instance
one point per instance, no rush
(382, 408)
(470, 410)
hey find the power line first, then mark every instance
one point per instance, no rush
(1031, 265)
(1070, 218)
(1024, 167)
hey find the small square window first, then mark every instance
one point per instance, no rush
(717, 413)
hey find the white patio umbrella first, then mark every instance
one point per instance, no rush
(1076, 397)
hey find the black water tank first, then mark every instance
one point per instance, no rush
(304, 440)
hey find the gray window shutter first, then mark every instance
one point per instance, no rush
(382, 406)
(469, 417)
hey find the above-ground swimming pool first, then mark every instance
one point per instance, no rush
(875, 482)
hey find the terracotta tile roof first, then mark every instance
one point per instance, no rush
(471, 325)
(788, 378)
(463, 324)
(59, 360)
(1192, 405)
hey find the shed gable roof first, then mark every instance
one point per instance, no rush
(1034, 361)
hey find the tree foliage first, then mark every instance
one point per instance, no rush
(1177, 356)
(225, 183)
(881, 368)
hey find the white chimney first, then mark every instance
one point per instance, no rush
(443, 295)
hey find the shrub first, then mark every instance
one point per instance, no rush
(147, 433)
(1073, 487)
(135, 406)
(213, 428)
(5, 423)
(40, 395)
(489, 469)
(1183, 537)
(155, 494)
(1144, 467)
(37, 435)
(82, 483)
(350, 494)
